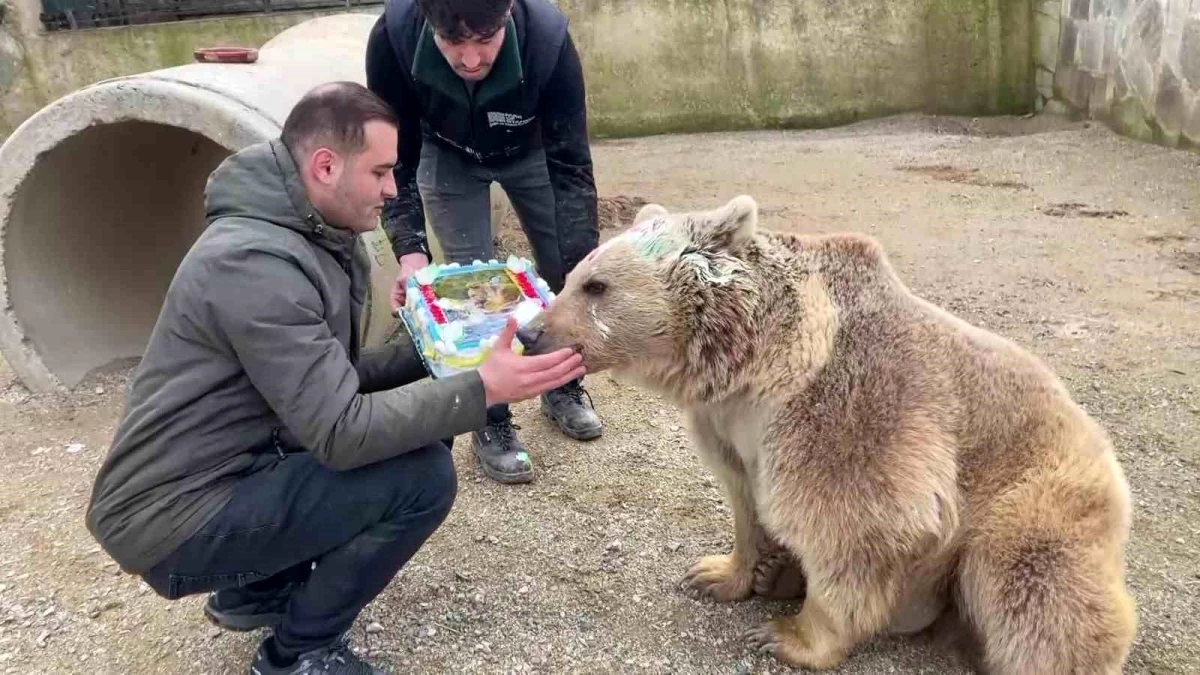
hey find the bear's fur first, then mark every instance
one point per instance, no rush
(912, 463)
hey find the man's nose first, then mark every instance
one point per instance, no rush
(389, 186)
(470, 57)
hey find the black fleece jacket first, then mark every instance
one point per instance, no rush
(534, 97)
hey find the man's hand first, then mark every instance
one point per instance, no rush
(409, 263)
(509, 378)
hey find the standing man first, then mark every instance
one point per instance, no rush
(489, 90)
(262, 457)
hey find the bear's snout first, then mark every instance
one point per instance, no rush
(530, 336)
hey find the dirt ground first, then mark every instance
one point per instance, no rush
(1079, 244)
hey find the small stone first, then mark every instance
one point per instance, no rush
(522, 590)
(493, 540)
(74, 448)
(374, 627)
(99, 391)
(214, 633)
(461, 576)
(430, 631)
(674, 427)
(614, 547)
(41, 639)
(1179, 540)
(674, 547)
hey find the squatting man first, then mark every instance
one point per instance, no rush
(262, 458)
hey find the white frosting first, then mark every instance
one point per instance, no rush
(426, 275)
(526, 311)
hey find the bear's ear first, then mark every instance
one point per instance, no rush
(648, 211)
(727, 226)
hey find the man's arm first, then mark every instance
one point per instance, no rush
(563, 112)
(279, 335)
(393, 365)
(404, 216)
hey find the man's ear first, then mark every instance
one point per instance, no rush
(726, 226)
(323, 165)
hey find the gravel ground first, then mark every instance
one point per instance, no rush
(1077, 243)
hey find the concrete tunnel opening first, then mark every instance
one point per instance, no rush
(96, 232)
(102, 194)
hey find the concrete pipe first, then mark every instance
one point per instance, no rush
(101, 194)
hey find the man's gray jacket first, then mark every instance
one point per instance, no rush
(255, 352)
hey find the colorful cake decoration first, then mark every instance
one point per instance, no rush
(455, 313)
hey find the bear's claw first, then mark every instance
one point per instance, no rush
(719, 577)
(777, 576)
(762, 638)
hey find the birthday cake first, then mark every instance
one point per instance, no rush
(455, 313)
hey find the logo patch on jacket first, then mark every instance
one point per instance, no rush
(502, 119)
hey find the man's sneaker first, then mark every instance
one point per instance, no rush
(565, 407)
(336, 659)
(501, 453)
(239, 610)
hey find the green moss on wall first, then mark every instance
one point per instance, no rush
(739, 64)
(684, 65)
(1129, 117)
(61, 62)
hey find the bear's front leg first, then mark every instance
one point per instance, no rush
(727, 577)
(814, 638)
(845, 604)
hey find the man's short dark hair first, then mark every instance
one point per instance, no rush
(333, 115)
(455, 19)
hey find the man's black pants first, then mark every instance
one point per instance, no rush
(360, 527)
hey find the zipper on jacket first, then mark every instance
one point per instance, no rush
(275, 442)
(471, 112)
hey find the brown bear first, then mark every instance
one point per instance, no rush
(912, 463)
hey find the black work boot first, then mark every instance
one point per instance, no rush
(500, 452)
(336, 659)
(565, 407)
(239, 609)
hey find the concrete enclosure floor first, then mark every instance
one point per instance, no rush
(1082, 245)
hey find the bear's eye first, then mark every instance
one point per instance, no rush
(595, 287)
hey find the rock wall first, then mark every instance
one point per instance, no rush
(652, 66)
(1134, 64)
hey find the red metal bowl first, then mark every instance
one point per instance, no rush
(226, 55)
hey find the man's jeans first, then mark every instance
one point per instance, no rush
(456, 193)
(360, 527)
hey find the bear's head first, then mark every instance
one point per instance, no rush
(669, 302)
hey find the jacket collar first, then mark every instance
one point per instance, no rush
(430, 67)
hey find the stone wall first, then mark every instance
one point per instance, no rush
(651, 65)
(1134, 64)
